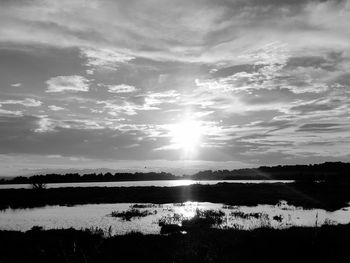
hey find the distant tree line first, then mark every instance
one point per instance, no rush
(91, 177)
(329, 171)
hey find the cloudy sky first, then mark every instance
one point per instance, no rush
(173, 84)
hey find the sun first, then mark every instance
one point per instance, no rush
(186, 136)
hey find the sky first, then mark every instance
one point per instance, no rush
(172, 85)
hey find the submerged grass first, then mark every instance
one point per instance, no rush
(132, 213)
(137, 206)
(243, 215)
(202, 219)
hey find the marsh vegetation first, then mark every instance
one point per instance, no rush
(132, 213)
(307, 244)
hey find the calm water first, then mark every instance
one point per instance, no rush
(98, 215)
(166, 183)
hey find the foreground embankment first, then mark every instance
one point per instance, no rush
(325, 244)
(328, 196)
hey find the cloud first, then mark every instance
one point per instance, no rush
(16, 85)
(41, 135)
(8, 112)
(275, 125)
(55, 108)
(199, 31)
(311, 61)
(313, 106)
(103, 58)
(73, 83)
(117, 107)
(26, 102)
(320, 127)
(156, 98)
(44, 124)
(122, 88)
(267, 62)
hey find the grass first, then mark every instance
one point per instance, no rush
(202, 219)
(278, 218)
(136, 206)
(38, 186)
(324, 244)
(243, 215)
(132, 213)
(175, 219)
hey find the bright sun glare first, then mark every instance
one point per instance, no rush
(186, 136)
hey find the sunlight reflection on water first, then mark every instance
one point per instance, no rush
(281, 215)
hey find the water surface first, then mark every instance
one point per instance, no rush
(281, 215)
(166, 183)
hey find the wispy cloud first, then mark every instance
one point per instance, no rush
(197, 31)
(67, 83)
(55, 108)
(9, 112)
(16, 85)
(28, 102)
(103, 59)
(122, 88)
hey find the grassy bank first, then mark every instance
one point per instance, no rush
(329, 196)
(325, 244)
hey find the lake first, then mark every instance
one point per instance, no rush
(165, 183)
(93, 216)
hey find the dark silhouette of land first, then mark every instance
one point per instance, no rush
(329, 171)
(327, 195)
(304, 244)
